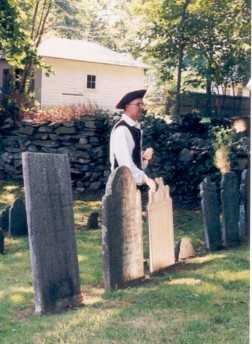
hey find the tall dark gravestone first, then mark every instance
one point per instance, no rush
(122, 230)
(4, 219)
(49, 208)
(1, 241)
(244, 206)
(17, 218)
(230, 197)
(211, 215)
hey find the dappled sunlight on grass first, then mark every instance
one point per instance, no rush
(80, 326)
(184, 281)
(207, 258)
(231, 276)
(93, 296)
(11, 188)
(14, 245)
(7, 198)
(200, 300)
(20, 254)
(17, 298)
(9, 191)
(213, 288)
(140, 322)
(82, 258)
(17, 294)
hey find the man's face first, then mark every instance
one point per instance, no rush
(135, 108)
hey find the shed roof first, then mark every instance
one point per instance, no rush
(82, 50)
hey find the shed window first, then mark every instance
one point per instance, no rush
(91, 81)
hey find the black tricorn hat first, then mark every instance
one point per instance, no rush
(129, 97)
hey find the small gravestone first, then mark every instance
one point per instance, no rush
(93, 220)
(122, 230)
(161, 232)
(244, 206)
(4, 219)
(1, 241)
(17, 218)
(185, 250)
(230, 208)
(177, 247)
(211, 215)
(49, 206)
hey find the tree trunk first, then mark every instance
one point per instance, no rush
(181, 48)
(178, 86)
(209, 97)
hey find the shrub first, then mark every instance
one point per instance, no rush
(229, 146)
(62, 113)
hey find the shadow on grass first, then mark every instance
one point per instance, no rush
(191, 305)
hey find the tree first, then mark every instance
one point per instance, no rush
(23, 23)
(219, 49)
(167, 28)
(209, 37)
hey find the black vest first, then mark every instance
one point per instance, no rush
(136, 135)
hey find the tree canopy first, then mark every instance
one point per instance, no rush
(207, 39)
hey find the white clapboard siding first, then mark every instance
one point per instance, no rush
(68, 83)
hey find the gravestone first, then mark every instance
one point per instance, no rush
(49, 206)
(4, 219)
(17, 218)
(244, 206)
(122, 230)
(161, 232)
(230, 208)
(177, 247)
(185, 249)
(211, 215)
(93, 220)
(1, 241)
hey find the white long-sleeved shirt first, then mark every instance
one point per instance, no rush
(121, 148)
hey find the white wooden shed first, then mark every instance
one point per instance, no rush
(84, 72)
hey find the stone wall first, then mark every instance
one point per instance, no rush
(85, 140)
(183, 151)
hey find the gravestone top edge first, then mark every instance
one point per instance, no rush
(43, 154)
(162, 192)
(119, 172)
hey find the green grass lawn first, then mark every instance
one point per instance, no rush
(204, 300)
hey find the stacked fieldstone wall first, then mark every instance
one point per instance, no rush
(84, 140)
(183, 151)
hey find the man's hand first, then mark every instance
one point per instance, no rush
(150, 183)
(148, 154)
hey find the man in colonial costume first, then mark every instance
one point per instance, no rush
(126, 140)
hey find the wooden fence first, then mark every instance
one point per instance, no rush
(227, 106)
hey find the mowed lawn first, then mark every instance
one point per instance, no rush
(204, 300)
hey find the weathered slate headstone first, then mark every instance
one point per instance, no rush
(17, 218)
(177, 247)
(211, 215)
(49, 208)
(230, 208)
(93, 220)
(4, 219)
(122, 230)
(161, 232)
(244, 206)
(186, 249)
(1, 241)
